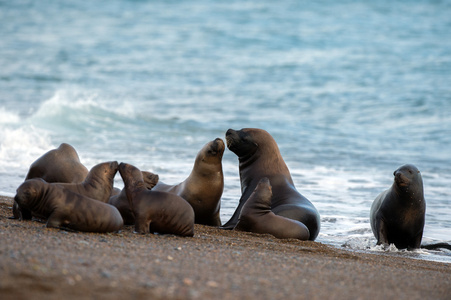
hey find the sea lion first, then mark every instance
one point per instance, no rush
(155, 211)
(256, 216)
(259, 157)
(98, 184)
(204, 186)
(121, 202)
(63, 208)
(397, 214)
(57, 165)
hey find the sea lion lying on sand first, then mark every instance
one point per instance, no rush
(63, 208)
(58, 165)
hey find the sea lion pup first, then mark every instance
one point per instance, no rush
(256, 216)
(57, 165)
(204, 186)
(397, 214)
(121, 202)
(259, 157)
(154, 211)
(98, 184)
(63, 208)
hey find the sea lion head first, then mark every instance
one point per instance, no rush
(28, 191)
(106, 168)
(150, 179)
(131, 173)
(212, 152)
(242, 142)
(408, 176)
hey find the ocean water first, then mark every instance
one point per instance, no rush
(350, 90)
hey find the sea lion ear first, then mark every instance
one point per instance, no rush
(256, 145)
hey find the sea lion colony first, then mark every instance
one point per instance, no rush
(59, 190)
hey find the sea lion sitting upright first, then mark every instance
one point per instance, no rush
(121, 202)
(65, 209)
(259, 157)
(98, 184)
(256, 216)
(154, 211)
(204, 186)
(397, 214)
(57, 165)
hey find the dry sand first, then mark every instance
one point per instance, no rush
(41, 263)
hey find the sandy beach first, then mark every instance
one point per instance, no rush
(41, 263)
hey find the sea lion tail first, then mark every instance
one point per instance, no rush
(437, 246)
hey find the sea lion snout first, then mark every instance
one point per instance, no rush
(217, 146)
(400, 178)
(231, 136)
(114, 165)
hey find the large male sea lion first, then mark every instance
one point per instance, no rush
(397, 214)
(121, 202)
(204, 186)
(259, 157)
(63, 208)
(155, 211)
(256, 216)
(57, 165)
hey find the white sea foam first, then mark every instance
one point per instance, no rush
(8, 117)
(21, 146)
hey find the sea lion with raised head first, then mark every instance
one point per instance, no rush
(98, 184)
(204, 186)
(256, 216)
(397, 214)
(121, 202)
(154, 211)
(259, 157)
(63, 208)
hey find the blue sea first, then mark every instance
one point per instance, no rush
(350, 90)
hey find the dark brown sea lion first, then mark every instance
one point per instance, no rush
(57, 165)
(259, 157)
(63, 208)
(256, 216)
(158, 212)
(98, 184)
(121, 202)
(397, 214)
(204, 186)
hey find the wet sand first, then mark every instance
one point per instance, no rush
(41, 263)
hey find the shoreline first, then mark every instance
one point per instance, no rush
(39, 263)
